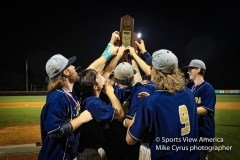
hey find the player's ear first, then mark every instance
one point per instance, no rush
(95, 87)
(198, 70)
(66, 73)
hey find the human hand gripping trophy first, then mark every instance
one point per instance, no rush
(127, 37)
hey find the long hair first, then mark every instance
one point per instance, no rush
(171, 82)
(56, 82)
(87, 81)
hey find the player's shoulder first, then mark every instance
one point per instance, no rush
(143, 84)
(207, 86)
(137, 85)
(56, 95)
(187, 91)
(158, 94)
(55, 99)
(93, 100)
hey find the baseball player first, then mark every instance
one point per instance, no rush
(92, 133)
(116, 146)
(139, 91)
(170, 112)
(205, 98)
(60, 115)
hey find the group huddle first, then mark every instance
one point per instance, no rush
(126, 110)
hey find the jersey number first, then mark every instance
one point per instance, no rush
(184, 119)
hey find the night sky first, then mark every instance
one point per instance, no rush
(200, 29)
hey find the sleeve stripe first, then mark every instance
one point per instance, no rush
(129, 117)
(133, 136)
(114, 112)
(208, 108)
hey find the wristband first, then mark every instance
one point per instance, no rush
(107, 54)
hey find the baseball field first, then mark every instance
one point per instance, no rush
(20, 116)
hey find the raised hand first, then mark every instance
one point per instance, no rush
(113, 50)
(131, 50)
(121, 50)
(115, 37)
(141, 46)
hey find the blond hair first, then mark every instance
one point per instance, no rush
(56, 82)
(170, 82)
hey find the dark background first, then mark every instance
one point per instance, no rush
(199, 29)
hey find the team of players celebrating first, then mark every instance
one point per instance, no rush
(108, 111)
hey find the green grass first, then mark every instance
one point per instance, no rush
(224, 117)
(19, 116)
(22, 98)
(227, 127)
(228, 98)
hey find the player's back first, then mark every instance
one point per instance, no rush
(174, 120)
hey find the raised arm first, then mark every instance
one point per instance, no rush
(137, 76)
(114, 101)
(110, 67)
(141, 63)
(108, 53)
(100, 63)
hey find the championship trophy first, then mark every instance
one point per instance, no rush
(127, 37)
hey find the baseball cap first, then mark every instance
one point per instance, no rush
(164, 61)
(124, 71)
(57, 63)
(196, 63)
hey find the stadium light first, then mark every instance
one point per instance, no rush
(139, 35)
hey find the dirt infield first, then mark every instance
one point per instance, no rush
(21, 104)
(24, 134)
(27, 156)
(228, 105)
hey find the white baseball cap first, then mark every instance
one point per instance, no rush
(57, 63)
(124, 71)
(164, 61)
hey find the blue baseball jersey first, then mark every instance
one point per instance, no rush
(115, 145)
(92, 133)
(99, 109)
(135, 100)
(57, 111)
(122, 94)
(205, 96)
(172, 116)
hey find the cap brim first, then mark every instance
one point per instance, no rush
(187, 67)
(149, 61)
(71, 60)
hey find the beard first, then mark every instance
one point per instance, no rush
(73, 78)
